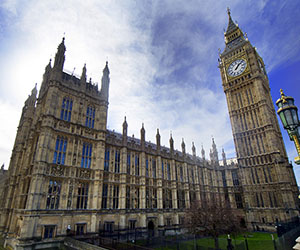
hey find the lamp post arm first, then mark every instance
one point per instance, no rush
(297, 144)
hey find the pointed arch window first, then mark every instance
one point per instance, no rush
(53, 194)
(90, 117)
(66, 109)
(86, 157)
(60, 150)
(82, 195)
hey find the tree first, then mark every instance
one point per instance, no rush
(211, 219)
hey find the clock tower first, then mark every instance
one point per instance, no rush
(268, 181)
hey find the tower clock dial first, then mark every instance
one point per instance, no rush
(237, 67)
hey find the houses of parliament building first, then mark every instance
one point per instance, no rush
(68, 172)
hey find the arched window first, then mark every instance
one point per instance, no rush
(86, 155)
(60, 150)
(66, 109)
(90, 117)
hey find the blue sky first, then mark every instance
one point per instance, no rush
(162, 58)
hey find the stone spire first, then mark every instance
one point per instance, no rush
(157, 140)
(60, 56)
(171, 143)
(224, 157)
(214, 151)
(83, 75)
(183, 146)
(193, 149)
(124, 135)
(203, 153)
(233, 33)
(231, 25)
(105, 83)
(143, 132)
(48, 67)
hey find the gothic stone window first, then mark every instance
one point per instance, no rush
(90, 117)
(181, 174)
(117, 161)
(49, 231)
(109, 227)
(154, 168)
(167, 198)
(180, 199)
(80, 228)
(116, 197)
(60, 150)
(132, 224)
(168, 171)
(106, 160)
(104, 196)
(127, 197)
(162, 170)
(66, 109)
(137, 165)
(128, 163)
(147, 167)
(235, 178)
(82, 195)
(238, 200)
(53, 194)
(86, 155)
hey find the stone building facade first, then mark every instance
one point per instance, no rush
(269, 184)
(70, 174)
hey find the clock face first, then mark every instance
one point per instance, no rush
(237, 67)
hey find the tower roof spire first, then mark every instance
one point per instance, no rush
(231, 25)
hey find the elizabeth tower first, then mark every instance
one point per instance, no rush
(269, 185)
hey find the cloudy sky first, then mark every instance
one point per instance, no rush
(162, 57)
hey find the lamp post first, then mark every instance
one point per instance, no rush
(288, 114)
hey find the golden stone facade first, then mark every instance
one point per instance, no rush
(269, 186)
(69, 174)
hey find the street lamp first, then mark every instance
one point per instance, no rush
(288, 114)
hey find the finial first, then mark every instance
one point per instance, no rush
(106, 63)
(90, 80)
(157, 131)
(228, 11)
(171, 134)
(142, 125)
(283, 97)
(125, 118)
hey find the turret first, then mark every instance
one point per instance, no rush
(143, 132)
(60, 56)
(183, 147)
(124, 136)
(193, 149)
(224, 157)
(214, 152)
(105, 83)
(203, 153)
(171, 144)
(158, 140)
(83, 75)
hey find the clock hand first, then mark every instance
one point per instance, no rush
(237, 66)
